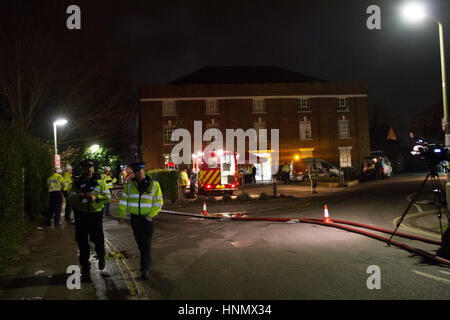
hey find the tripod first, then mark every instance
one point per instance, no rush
(438, 202)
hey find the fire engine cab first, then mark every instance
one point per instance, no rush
(216, 172)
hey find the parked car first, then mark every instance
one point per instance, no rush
(302, 167)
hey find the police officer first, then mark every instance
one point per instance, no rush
(142, 199)
(110, 180)
(88, 196)
(55, 188)
(67, 186)
(313, 176)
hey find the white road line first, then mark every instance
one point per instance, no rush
(432, 277)
(414, 204)
(444, 272)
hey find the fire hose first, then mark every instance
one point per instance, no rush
(339, 224)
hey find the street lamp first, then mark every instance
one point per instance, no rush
(416, 12)
(94, 148)
(59, 122)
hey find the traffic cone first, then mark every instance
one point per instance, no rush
(326, 217)
(204, 209)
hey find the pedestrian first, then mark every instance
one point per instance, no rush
(313, 176)
(249, 173)
(88, 196)
(253, 173)
(55, 188)
(110, 180)
(378, 169)
(128, 174)
(286, 172)
(142, 199)
(193, 185)
(67, 186)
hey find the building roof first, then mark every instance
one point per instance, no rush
(243, 74)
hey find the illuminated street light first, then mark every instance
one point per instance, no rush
(59, 122)
(416, 12)
(94, 148)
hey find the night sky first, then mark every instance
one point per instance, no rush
(155, 42)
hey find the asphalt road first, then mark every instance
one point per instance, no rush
(197, 258)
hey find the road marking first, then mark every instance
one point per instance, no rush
(127, 273)
(432, 277)
(444, 272)
(414, 204)
(416, 230)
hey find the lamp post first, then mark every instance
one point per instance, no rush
(416, 12)
(59, 122)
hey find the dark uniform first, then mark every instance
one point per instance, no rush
(88, 195)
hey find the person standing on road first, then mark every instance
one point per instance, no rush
(286, 172)
(55, 188)
(88, 196)
(378, 169)
(253, 173)
(143, 200)
(313, 176)
(110, 180)
(67, 186)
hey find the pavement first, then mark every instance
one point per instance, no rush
(37, 274)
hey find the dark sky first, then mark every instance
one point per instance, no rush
(155, 42)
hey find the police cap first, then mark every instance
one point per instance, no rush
(137, 166)
(86, 163)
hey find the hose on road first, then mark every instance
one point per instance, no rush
(339, 224)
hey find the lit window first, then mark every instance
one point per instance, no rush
(167, 134)
(303, 105)
(169, 108)
(259, 106)
(342, 105)
(212, 107)
(305, 129)
(345, 156)
(344, 128)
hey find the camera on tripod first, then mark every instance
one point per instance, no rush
(432, 153)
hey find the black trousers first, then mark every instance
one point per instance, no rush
(89, 227)
(54, 207)
(143, 232)
(68, 209)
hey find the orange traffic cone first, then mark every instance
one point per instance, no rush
(204, 209)
(326, 217)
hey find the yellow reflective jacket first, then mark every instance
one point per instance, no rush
(67, 181)
(97, 186)
(147, 202)
(110, 180)
(55, 182)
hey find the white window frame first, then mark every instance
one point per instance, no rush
(303, 105)
(169, 108)
(305, 133)
(259, 125)
(345, 157)
(167, 134)
(259, 106)
(342, 105)
(212, 125)
(211, 106)
(344, 128)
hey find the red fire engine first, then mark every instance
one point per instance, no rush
(216, 172)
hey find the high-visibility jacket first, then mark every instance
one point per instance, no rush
(97, 186)
(286, 169)
(145, 202)
(67, 181)
(110, 180)
(55, 182)
(184, 178)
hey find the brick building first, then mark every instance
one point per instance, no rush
(315, 118)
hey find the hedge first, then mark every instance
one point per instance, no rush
(25, 165)
(169, 182)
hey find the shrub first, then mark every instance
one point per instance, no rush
(244, 197)
(168, 180)
(351, 174)
(264, 196)
(226, 197)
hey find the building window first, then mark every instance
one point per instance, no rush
(305, 129)
(213, 125)
(345, 156)
(303, 105)
(169, 108)
(344, 128)
(306, 153)
(259, 106)
(167, 134)
(259, 125)
(212, 107)
(342, 105)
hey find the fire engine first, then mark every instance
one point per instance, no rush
(216, 172)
